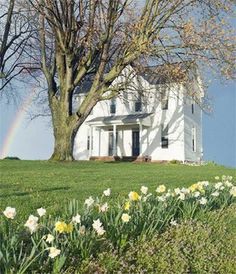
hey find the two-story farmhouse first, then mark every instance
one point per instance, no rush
(154, 119)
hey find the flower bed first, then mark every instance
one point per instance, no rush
(44, 244)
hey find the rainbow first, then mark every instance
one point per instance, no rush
(12, 130)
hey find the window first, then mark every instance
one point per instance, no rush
(164, 136)
(113, 106)
(194, 139)
(192, 105)
(164, 99)
(138, 104)
(88, 142)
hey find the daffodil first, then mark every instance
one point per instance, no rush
(125, 217)
(127, 205)
(161, 189)
(53, 252)
(41, 211)
(144, 190)
(233, 191)
(10, 212)
(69, 228)
(32, 223)
(49, 238)
(107, 192)
(60, 227)
(133, 196)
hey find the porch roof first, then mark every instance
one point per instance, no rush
(129, 119)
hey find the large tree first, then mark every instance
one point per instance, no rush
(98, 39)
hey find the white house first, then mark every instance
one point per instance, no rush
(155, 120)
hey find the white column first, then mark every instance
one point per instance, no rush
(90, 141)
(140, 138)
(99, 143)
(114, 140)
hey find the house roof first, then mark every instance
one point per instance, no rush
(159, 74)
(119, 119)
(167, 73)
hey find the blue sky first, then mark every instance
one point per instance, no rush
(34, 140)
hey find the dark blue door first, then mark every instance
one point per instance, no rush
(135, 143)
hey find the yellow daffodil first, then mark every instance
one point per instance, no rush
(133, 196)
(69, 228)
(127, 206)
(60, 227)
(63, 227)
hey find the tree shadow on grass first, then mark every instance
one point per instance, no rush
(25, 193)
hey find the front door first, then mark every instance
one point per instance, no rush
(135, 143)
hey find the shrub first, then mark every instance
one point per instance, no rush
(207, 246)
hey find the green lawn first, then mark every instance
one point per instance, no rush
(28, 185)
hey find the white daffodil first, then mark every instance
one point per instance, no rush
(185, 190)
(203, 201)
(107, 192)
(76, 219)
(203, 183)
(103, 208)
(233, 191)
(41, 211)
(177, 191)
(144, 190)
(53, 252)
(215, 194)
(32, 223)
(217, 178)
(98, 227)
(88, 202)
(161, 198)
(181, 196)
(50, 238)
(10, 212)
(173, 222)
(219, 186)
(196, 194)
(125, 217)
(228, 183)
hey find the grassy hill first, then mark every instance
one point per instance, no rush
(28, 185)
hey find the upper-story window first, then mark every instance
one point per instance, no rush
(192, 106)
(164, 99)
(113, 106)
(164, 136)
(138, 104)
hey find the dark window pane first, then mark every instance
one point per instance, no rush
(138, 106)
(164, 142)
(88, 143)
(112, 108)
(192, 108)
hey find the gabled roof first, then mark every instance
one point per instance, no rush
(160, 74)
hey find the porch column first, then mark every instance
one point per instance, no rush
(90, 141)
(99, 143)
(140, 138)
(114, 140)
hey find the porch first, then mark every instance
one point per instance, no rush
(121, 137)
